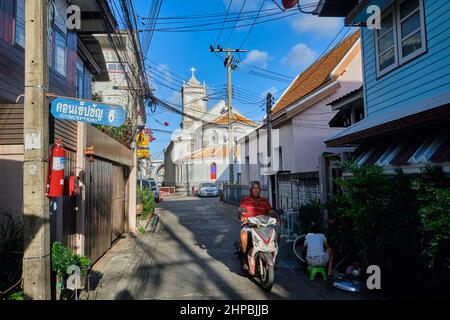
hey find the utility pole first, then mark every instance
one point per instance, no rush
(229, 64)
(269, 100)
(36, 214)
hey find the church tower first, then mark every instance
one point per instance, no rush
(193, 99)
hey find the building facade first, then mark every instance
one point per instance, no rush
(406, 86)
(297, 170)
(124, 87)
(105, 207)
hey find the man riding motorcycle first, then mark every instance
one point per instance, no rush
(252, 206)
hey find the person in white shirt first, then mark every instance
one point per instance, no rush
(318, 252)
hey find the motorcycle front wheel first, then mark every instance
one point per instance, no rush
(267, 275)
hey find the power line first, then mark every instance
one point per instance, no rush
(259, 74)
(272, 72)
(212, 15)
(235, 23)
(183, 29)
(251, 27)
(223, 24)
(154, 13)
(323, 56)
(166, 69)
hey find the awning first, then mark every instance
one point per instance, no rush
(346, 99)
(96, 16)
(334, 8)
(359, 15)
(347, 104)
(402, 117)
(98, 63)
(428, 149)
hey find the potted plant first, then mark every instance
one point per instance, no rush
(62, 259)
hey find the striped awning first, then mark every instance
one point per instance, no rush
(427, 150)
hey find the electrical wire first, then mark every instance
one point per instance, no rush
(223, 24)
(212, 15)
(185, 28)
(272, 72)
(235, 23)
(251, 27)
(323, 55)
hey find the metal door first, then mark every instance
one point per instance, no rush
(98, 208)
(118, 202)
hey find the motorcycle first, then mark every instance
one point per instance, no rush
(261, 256)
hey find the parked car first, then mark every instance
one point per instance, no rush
(150, 183)
(208, 190)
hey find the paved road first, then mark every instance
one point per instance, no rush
(191, 257)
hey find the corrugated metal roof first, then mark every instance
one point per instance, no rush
(426, 149)
(372, 122)
(346, 96)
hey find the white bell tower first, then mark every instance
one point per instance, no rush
(193, 99)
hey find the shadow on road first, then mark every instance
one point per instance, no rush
(215, 228)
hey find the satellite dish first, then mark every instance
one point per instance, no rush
(288, 4)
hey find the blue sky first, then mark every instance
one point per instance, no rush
(286, 46)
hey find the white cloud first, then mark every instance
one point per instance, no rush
(300, 56)
(320, 26)
(258, 58)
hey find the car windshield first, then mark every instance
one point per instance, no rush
(153, 184)
(208, 185)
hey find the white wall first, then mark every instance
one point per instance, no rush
(310, 128)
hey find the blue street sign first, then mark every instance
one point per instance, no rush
(88, 111)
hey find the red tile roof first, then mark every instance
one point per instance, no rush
(236, 117)
(316, 75)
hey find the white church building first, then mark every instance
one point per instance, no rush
(198, 151)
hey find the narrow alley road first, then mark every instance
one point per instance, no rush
(190, 256)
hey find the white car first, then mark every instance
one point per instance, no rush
(208, 190)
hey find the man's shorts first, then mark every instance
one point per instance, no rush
(318, 261)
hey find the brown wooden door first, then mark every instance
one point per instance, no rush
(118, 202)
(98, 208)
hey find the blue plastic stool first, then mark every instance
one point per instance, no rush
(312, 271)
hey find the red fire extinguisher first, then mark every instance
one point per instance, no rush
(55, 170)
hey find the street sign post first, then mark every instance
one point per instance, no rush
(88, 111)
